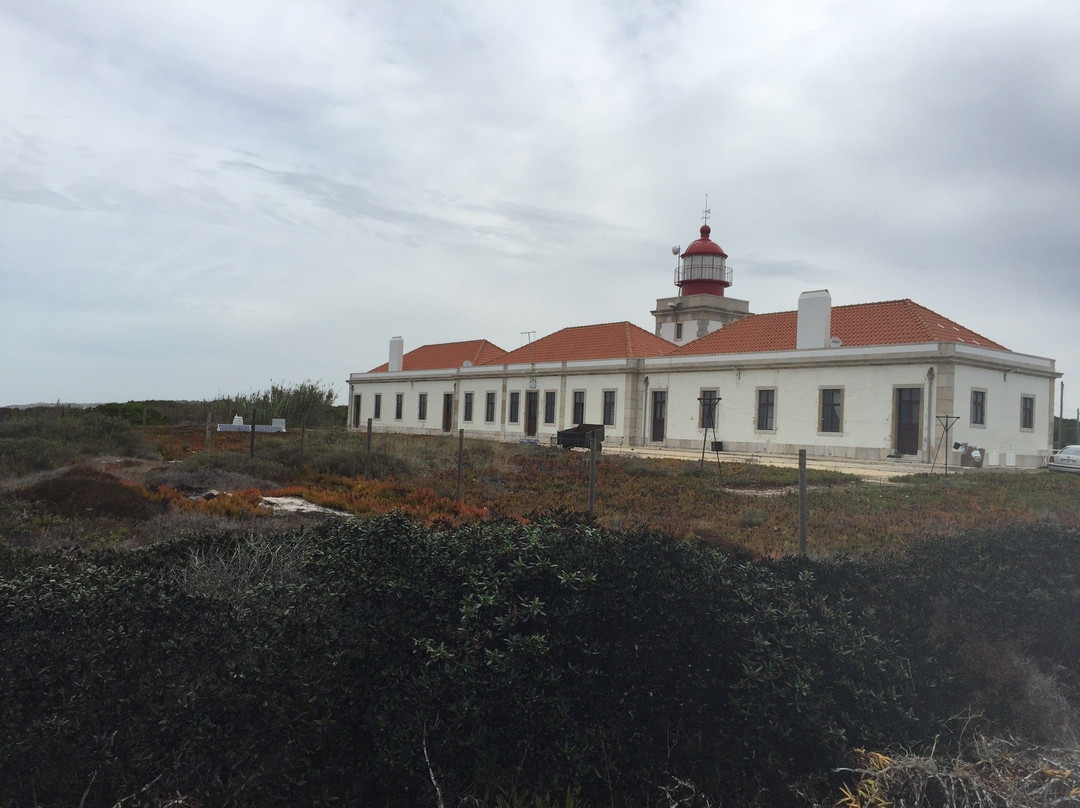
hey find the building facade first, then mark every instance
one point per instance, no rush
(865, 381)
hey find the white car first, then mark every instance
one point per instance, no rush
(1067, 459)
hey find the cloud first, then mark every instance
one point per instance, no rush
(199, 197)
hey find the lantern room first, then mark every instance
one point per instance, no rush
(702, 268)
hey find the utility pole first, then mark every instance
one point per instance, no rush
(1059, 432)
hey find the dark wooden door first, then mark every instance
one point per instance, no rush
(448, 412)
(908, 401)
(659, 415)
(532, 412)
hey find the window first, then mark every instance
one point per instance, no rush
(832, 399)
(766, 409)
(399, 405)
(609, 408)
(978, 408)
(421, 407)
(579, 406)
(468, 407)
(489, 408)
(1027, 412)
(678, 331)
(378, 405)
(707, 417)
(356, 411)
(515, 407)
(549, 407)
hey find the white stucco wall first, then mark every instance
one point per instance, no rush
(1002, 436)
(867, 407)
(868, 377)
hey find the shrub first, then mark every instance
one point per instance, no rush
(41, 441)
(259, 469)
(87, 492)
(337, 664)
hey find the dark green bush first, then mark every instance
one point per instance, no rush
(330, 666)
(136, 413)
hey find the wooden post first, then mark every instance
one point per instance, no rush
(460, 457)
(367, 456)
(592, 473)
(208, 431)
(303, 435)
(802, 502)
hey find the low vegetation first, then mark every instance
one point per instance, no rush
(161, 644)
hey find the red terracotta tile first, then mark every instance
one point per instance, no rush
(446, 355)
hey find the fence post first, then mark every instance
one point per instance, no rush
(592, 473)
(252, 452)
(367, 455)
(208, 431)
(802, 502)
(460, 456)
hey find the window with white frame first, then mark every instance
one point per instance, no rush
(1027, 413)
(609, 408)
(489, 408)
(468, 407)
(707, 415)
(421, 407)
(579, 407)
(832, 409)
(766, 409)
(515, 407)
(978, 408)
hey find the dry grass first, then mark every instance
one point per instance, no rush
(993, 773)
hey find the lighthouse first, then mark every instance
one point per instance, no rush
(701, 276)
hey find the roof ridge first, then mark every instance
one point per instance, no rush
(919, 313)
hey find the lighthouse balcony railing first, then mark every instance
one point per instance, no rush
(684, 274)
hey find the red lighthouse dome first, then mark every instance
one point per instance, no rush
(703, 268)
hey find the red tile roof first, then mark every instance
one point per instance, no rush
(895, 322)
(607, 341)
(447, 355)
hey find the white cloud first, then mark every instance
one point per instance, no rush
(199, 197)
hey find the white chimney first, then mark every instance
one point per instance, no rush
(815, 320)
(397, 351)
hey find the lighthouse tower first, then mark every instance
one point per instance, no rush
(701, 276)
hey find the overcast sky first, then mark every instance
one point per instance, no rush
(202, 198)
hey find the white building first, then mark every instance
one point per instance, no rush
(866, 381)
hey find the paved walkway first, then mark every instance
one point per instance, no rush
(875, 470)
